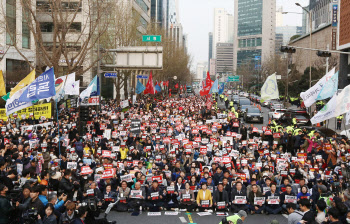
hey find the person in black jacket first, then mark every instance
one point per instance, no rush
(283, 196)
(238, 191)
(36, 203)
(171, 201)
(309, 216)
(66, 185)
(5, 206)
(218, 176)
(220, 196)
(155, 197)
(272, 209)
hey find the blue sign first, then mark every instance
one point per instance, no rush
(335, 15)
(142, 76)
(257, 58)
(110, 75)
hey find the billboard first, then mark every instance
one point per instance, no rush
(344, 25)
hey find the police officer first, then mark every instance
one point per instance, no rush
(231, 104)
(237, 218)
(339, 120)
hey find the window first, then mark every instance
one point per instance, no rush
(48, 27)
(11, 21)
(43, 6)
(142, 5)
(25, 29)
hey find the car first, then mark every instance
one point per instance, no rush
(276, 106)
(243, 101)
(277, 113)
(235, 99)
(253, 114)
(301, 116)
(266, 103)
(189, 89)
(244, 110)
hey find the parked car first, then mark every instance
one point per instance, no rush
(277, 106)
(253, 114)
(266, 103)
(276, 113)
(301, 116)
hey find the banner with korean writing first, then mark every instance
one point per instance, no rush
(41, 110)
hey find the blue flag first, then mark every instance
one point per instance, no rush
(96, 89)
(221, 88)
(329, 88)
(158, 89)
(41, 88)
(91, 90)
(215, 87)
(139, 87)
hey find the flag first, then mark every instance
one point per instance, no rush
(2, 85)
(92, 87)
(177, 86)
(215, 87)
(14, 104)
(24, 82)
(96, 88)
(347, 118)
(221, 88)
(74, 89)
(326, 112)
(149, 86)
(205, 91)
(70, 85)
(269, 90)
(139, 87)
(330, 88)
(169, 92)
(59, 87)
(309, 97)
(6, 97)
(208, 81)
(41, 88)
(158, 89)
(343, 102)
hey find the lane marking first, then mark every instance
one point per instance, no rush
(182, 219)
(190, 218)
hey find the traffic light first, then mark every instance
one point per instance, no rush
(325, 54)
(286, 49)
(84, 113)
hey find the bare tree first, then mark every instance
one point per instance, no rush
(64, 32)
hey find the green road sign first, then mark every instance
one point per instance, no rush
(233, 78)
(152, 38)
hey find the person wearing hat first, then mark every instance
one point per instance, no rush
(237, 218)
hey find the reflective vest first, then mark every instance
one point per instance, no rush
(296, 131)
(233, 219)
(289, 128)
(221, 96)
(225, 98)
(340, 117)
(294, 120)
(236, 114)
(231, 103)
(274, 123)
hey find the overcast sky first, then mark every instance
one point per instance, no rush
(196, 17)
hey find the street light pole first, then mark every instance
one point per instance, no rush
(310, 54)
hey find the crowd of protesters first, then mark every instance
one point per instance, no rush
(187, 155)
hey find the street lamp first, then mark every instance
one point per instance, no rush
(310, 24)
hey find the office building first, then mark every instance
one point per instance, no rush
(224, 58)
(254, 31)
(283, 35)
(202, 68)
(210, 48)
(212, 70)
(223, 28)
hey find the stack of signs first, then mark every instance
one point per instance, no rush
(135, 126)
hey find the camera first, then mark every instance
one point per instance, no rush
(30, 216)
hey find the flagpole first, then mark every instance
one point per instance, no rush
(58, 130)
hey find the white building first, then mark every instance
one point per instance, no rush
(202, 68)
(17, 35)
(223, 27)
(212, 70)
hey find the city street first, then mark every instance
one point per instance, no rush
(183, 217)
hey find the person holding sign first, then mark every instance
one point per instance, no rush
(272, 208)
(124, 193)
(220, 198)
(187, 198)
(204, 198)
(258, 209)
(170, 198)
(137, 197)
(238, 192)
(288, 192)
(155, 197)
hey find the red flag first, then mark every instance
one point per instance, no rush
(181, 87)
(208, 81)
(177, 85)
(149, 86)
(169, 92)
(205, 91)
(156, 83)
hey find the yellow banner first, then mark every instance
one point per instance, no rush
(40, 110)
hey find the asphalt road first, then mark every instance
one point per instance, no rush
(331, 123)
(183, 217)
